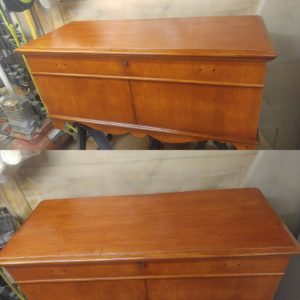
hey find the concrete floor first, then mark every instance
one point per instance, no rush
(130, 142)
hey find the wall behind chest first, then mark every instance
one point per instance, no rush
(126, 9)
(281, 107)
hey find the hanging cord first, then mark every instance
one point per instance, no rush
(30, 23)
(20, 28)
(10, 28)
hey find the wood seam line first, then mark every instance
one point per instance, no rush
(152, 79)
(149, 277)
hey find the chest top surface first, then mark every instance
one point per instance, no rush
(237, 36)
(188, 224)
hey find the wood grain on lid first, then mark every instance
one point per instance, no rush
(244, 36)
(188, 224)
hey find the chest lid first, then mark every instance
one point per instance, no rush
(196, 224)
(237, 36)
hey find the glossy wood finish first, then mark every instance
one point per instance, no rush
(104, 290)
(190, 245)
(254, 288)
(209, 101)
(114, 104)
(178, 225)
(177, 80)
(166, 268)
(242, 36)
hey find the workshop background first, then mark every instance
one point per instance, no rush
(29, 178)
(279, 124)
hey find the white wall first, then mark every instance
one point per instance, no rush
(126, 9)
(280, 119)
(277, 174)
(62, 174)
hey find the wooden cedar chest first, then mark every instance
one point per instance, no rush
(178, 80)
(225, 245)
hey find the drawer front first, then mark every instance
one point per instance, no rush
(234, 288)
(219, 266)
(214, 71)
(87, 98)
(74, 271)
(77, 65)
(211, 110)
(199, 70)
(181, 268)
(104, 290)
